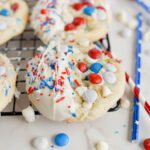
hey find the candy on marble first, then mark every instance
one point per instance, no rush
(40, 143)
(122, 16)
(2, 70)
(90, 96)
(81, 89)
(109, 77)
(3, 25)
(4, 12)
(106, 91)
(84, 42)
(146, 144)
(29, 114)
(125, 103)
(110, 67)
(95, 78)
(132, 24)
(94, 53)
(89, 10)
(101, 145)
(96, 67)
(82, 67)
(126, 32)
(61, 139)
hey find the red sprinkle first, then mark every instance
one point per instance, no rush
(30, 90)
(77, 82)
(146, 144)
(77, 6)
(78, 21)
(59, 100)
(43, 11)
(107, 53)
(95, 78)
(82, 67)
(15, 6)
(70, 27)
(94, 53)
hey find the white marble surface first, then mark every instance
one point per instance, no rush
(114, 128)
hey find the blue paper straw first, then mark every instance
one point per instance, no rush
(135, 123)
(145, 6)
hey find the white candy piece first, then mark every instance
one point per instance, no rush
(41, 143)
(126, 32)
(89, 59)
(2, 70)
(132, 24)
(101, 15)
(147, 36)
(101, 145)
(106, 91)
(81, 89)
(109, 77)
(87, 105)
(90, 96)
(29, 114)
(110, 67)
(122, 16)
(3, 26)
(125, 103)
(84, 42)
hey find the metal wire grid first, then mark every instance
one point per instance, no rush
(19, 50)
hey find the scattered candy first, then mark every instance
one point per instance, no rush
(101, 145)
(132, 24)
(29, 114)
(96, 67)
(61, 139)
(125, 103)
(2, 70)
(122, 16)
(106, 91)
(89, 10)
(82, 67)
(4, 12)
(41, 143)
(95, 78)
(94, 53)
(146, 144)
(110, 67)
(109, 77)
(90, 96)
(81, 89)
(126, 32)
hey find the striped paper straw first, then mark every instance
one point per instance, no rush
(135, 117)
(145, 6)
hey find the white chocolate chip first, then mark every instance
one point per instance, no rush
(126, 32)
(125, 103)
(81, 89)
(40, 143)
(90, 60)
(132, 24)
(122, 16)
(84, 42)
(101, 145)
(29, 114)
(106, 91)
(109, 77)
(110, 67)
(101, 15)
(2, 70)
(3, 26)
(90, 96)
(87, 105)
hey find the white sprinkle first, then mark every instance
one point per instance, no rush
(136, 122)
(101, 145)
(125, 103)
(106, 91)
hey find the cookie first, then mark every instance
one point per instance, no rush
(65, 83)
(73, 21)
(7, 81)
(13, 19)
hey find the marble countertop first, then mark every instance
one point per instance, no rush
(114, 128)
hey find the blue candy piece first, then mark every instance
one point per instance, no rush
(61, 139)
(4, 12)
(96, 67)
(89, 10)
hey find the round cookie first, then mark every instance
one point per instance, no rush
(13, 19)
(65, 84)
(73, 21)
(7, 81)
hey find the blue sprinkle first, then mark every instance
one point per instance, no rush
(96, 67)
(74, 115)
(47, 31)
(89, 10)
(47, 85)
(4, 12)
(6, 92)
(86, 78)
(52, 66)
(61, 139)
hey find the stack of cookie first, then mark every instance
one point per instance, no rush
(71, 79)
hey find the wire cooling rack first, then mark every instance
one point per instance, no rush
(19, 50)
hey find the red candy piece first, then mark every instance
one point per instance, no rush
(146, 144)
(95, 78)
(107, 53)
(94, 53)
(78, 21)
(77, 6)
(15, 6)
(101, 8)
(82, 67)
(70, 27)
(43, 11)
(87, 3)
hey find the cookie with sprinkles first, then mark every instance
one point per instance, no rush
(73, 21)
(13, 19)
(7, 81)
(67, 85)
